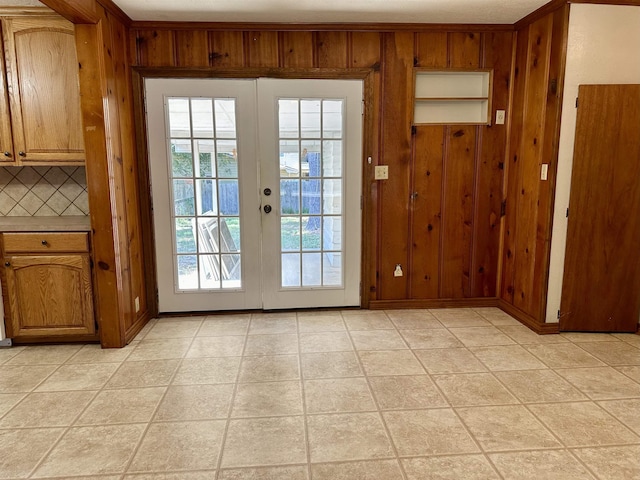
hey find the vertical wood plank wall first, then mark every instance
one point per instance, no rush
(438, 214)
(535, 128)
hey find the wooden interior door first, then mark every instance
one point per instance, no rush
(601, 286)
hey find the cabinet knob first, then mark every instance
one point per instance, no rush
(7, 154)
(7, 264)
(22, 154)
(44, 242)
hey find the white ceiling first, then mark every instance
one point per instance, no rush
(324, 11)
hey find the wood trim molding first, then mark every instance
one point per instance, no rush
(544, 10)
(633, 3)
(541, 328)
(315, 27)
(26, 11)
(433, 303)
(83, 11)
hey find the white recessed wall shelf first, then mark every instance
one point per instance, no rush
(452, 96)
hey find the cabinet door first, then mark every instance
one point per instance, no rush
(50, 295)
(44, 95)
(6, 140)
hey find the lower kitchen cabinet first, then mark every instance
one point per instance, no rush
(48, 285)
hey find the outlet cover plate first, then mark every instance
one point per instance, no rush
(382, 172)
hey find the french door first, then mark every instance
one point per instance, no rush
(255, 192)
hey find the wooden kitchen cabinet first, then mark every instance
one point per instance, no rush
(40, 122)
(48, 285)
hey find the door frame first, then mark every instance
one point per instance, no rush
(369, 195)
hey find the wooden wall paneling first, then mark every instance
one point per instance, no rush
(397, 87)
(490, 170)
(331, 49)
(156, 48)
(296, 49)
(192, 48)
(537, 74)
(261, 49)
(464, 49)
(227, 48)
(424, 274)
(431, 49)
(513, 168)
(364, 49)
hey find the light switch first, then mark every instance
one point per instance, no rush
(500, 117)
(544, 171)
(382, 172)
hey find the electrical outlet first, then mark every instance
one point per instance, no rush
(544, 171)
(137, 304)
(500, 114)
(382, 172)
(398, 271)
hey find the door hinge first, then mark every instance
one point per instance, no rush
(414, 130)
(558, 314)
(503, 208)
(362, 107)
(361, 202)
(567, 214)
(576, 102)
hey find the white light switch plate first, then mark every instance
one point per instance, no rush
(382, 172)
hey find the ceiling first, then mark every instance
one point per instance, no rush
(325, 11)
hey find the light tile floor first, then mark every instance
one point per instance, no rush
(359, 395)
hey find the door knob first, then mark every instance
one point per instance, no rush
(7, 154)
(267, 209)
(22, 154)
(267, 191)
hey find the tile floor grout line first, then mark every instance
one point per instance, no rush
(305, 422)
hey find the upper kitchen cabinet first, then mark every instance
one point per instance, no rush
(41, 122)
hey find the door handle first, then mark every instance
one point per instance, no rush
(267, 209)
(267, 191)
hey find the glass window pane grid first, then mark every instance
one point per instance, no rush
(224, 263)
(320, 176)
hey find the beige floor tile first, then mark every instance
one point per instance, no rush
(8, 401)
(612, 463)
(583, 424)
(525, 336)
(565, 355)
(146, 329)
(267, 399)
(200, 371)
(224, 325)
(143, 374)
(127, 405)
(467, 467)
(369, 470)
(277, 315)
(430, 338)
(507, 357)
(269, 368)
(459, 317)
(473, 389)
(21, 450)
(481, 336)
(378, 340)
(175, 328)
(230, 346)
(630, 338)
(413, 319)
(586, 337)
(160, 349)
(264, 441)
(614, 354)
(23, 378)
(271, 344)
(539, 386)
(547, 465)
(44, 355)
(627, 411)
(449, 360)
(50, 409)
(265, 473)
(321, 323)
(91, 451)
(632, 372)
(96, 354)
(79, 377)
(495, 316)
(600, 383)
(273, 325)
(428, 432)
(368, 321)
(347, 436)
(338, 395)
(207, 475)
(510, 427)
(325, 342)
(406, 392)
(195, 402)
(330, 365)
(7, 354)
(179, 446)
(391, 362)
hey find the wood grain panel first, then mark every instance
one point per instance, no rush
(426, 214)
(192, 48)
(464, 50)
(431, 49)
(397, 78)
(46, 242)
(227, 49)
(331, 49)
(365, 49)
(156, 48)
(296, 49)
(6, 139)
(261, 48)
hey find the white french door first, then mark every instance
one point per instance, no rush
(255, 192)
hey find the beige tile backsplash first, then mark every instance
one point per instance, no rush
(43, 191)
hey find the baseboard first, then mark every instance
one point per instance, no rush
(137, 326)
(24, 340)
(433, 303)
(541, 328)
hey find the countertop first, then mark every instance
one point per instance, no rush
(45, 224)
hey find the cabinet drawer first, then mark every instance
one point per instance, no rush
(46, 242)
